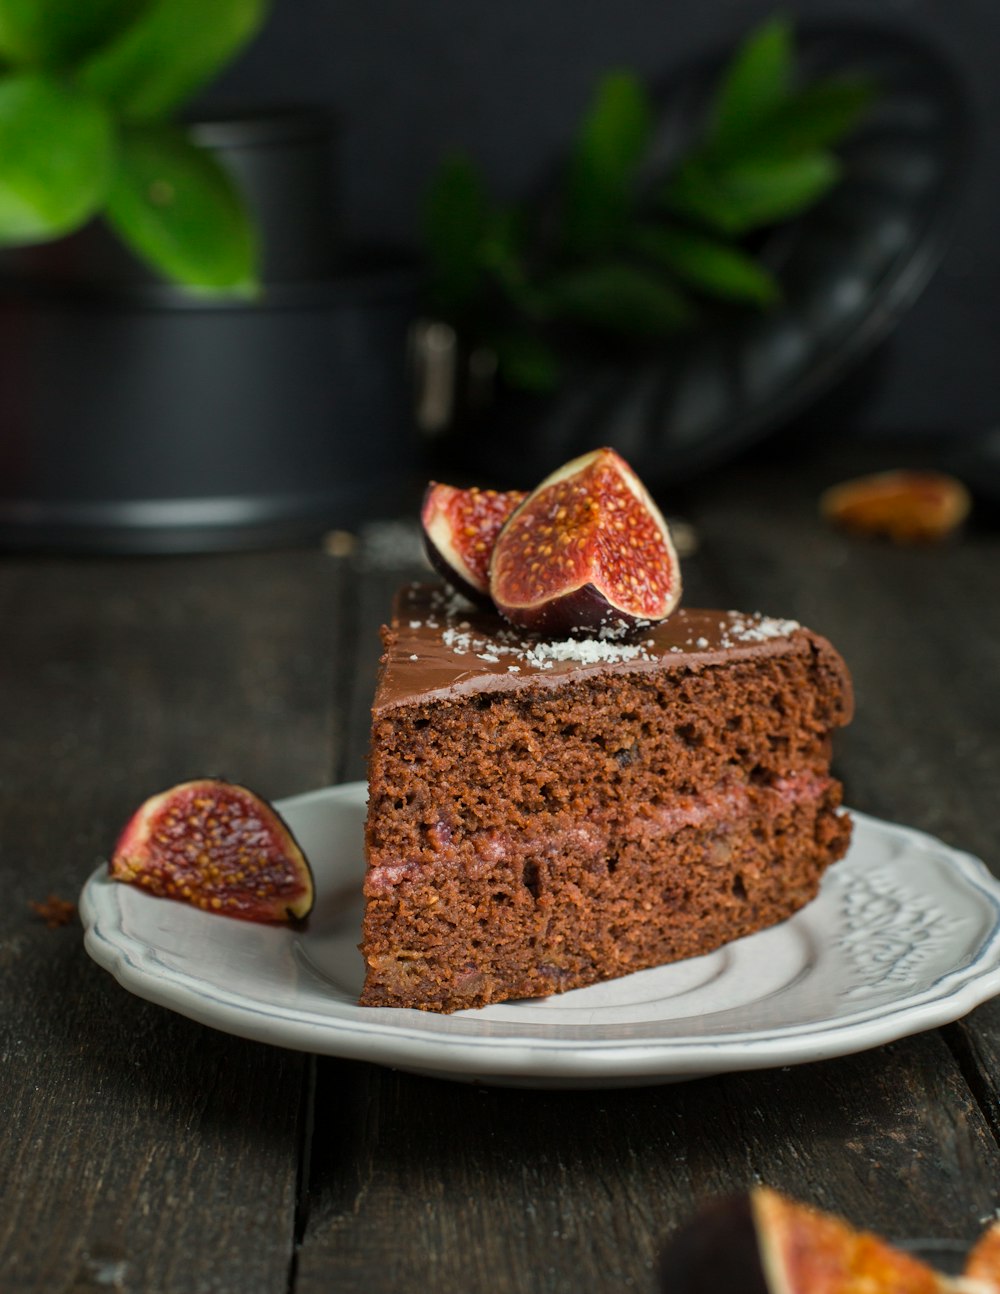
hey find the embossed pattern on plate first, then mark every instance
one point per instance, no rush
(904, 936)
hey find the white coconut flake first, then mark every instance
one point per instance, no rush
(450, 602)
(586, 651)
(759, 628)
(539, 655)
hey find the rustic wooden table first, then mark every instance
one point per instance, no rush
(142, 1152)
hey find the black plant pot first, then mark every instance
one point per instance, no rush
(138, 419)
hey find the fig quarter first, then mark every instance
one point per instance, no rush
(219, 847)
(460, 527)
(586, 552)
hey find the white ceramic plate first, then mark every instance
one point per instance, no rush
(904, 935)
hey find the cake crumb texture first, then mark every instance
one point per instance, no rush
(532, 839)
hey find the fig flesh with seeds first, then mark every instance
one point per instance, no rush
(587, 552)
(764, 1243)
(460, 528)
(219, 847)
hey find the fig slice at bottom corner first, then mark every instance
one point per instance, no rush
(219, 847)
(762, 1242)
(460, 528)
(982, 1266)
(588, 551)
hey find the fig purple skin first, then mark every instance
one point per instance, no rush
(716, 1252)
(587, 552)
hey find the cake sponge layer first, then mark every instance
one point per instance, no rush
(544, 831)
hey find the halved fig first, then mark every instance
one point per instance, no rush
(765, 1243)
(218, 846)
(983, 1263)
(587, 552)
(460, 528)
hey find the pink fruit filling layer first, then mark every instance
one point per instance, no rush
(721, 808)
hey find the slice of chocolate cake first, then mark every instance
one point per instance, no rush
(544, 815)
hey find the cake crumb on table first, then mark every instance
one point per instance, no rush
(54, 911)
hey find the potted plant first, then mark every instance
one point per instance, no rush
(191, 360)
(712, 254)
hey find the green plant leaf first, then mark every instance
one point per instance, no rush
(817, 117)
(176, 207)
(611, 142)
(757, 79)
(715, 268)
(620, 297)
(502, 257)
(456, 220)
(526, 360)
(751, 194)
(177, 47)
(56, 151)
(55, 33)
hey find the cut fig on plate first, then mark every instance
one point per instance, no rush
(218, 846)
(765, 1243)
(587, 552)
(460, 528)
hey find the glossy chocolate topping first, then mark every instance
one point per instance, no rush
(438, 646)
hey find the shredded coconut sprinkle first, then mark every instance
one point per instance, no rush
(757, 629)
(607, 647)
(587, 651)
(541, 655)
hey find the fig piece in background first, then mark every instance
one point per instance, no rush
(219, 847)
(587, 552)
(905, 506)
(460, 528)
(764, 1243)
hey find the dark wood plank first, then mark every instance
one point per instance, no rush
(976, 1042)
(142, 1151)
(423, 1184)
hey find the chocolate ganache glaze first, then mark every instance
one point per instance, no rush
(439, 646)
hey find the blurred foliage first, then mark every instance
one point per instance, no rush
(621, 253)
(88, 90)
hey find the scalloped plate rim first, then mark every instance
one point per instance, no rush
(532, 1058)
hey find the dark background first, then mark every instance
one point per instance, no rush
(508, 82)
